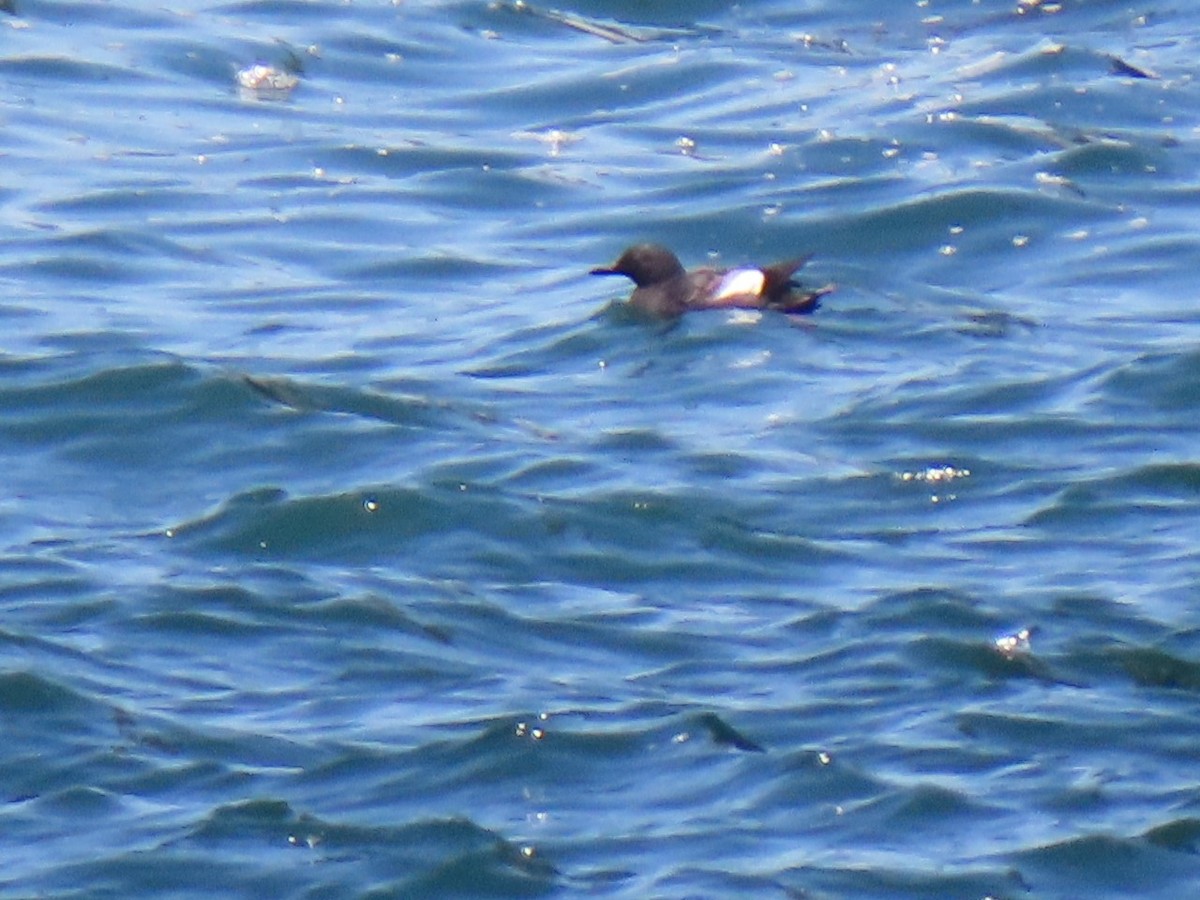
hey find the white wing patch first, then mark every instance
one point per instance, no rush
(739, 282)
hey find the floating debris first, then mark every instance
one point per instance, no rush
(534, 733)
(1013, 645)
(264, 79)
(812, 42)
(935, 474)
(555, 139)
(1049, 8)
(1061, 182)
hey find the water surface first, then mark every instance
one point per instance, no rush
(356, 543)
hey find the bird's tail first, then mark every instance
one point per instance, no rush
(778, 278)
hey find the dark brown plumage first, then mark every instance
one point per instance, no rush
(662, 287)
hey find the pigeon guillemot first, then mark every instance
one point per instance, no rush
(664, 288)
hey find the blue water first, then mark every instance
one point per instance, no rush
(356, 543)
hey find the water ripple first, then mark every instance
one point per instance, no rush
(349, 522)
